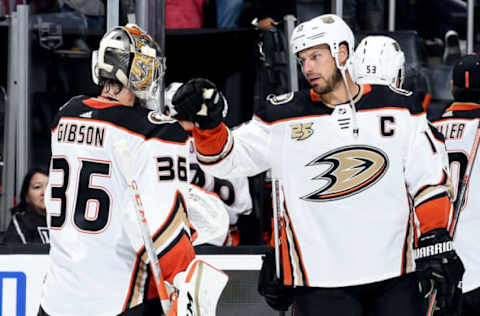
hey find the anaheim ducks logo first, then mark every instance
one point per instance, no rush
(352, 170)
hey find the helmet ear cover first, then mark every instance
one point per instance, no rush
(130, 56)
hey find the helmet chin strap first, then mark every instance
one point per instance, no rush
(343, 69)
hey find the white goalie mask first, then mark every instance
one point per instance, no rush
(379, 60)
(327, 29)
(130, 56)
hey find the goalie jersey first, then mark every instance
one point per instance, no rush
(345, 196)
(459, 125)
(97, 256)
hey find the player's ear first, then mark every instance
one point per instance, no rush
(342, 53)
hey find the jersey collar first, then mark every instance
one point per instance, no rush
(364, 89)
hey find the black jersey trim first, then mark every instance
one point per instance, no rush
(132, 119)
(173, 136)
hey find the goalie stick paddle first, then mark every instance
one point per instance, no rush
(462, 189)
(121, 148)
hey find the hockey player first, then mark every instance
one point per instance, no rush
(347, 169)
(379, 60)
(234, 193)
(99, 262)
(459, 125)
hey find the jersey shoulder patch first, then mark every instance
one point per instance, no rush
(280, 99)
(400, 91)
(156, 118)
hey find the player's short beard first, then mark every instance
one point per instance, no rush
(331, 83)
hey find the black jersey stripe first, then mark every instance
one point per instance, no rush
(298, 253)
(302, 106)
(135, 119)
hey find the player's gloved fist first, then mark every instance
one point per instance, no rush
(438, 264)
(277, 295)
(199, 101)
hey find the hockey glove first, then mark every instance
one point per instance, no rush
(276, 294)
(438, 264)
(199, 101)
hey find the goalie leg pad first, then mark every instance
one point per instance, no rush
(200, 287)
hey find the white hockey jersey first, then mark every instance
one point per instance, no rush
(346, 196)
(97, 256)
(459, 125)
(234, 192)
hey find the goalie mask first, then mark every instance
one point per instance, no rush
(327, 29)
(130, 56)
(379, 60)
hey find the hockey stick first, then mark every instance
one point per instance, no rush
(432, 303)
(121, 148)
(277, 214)
(458, 204)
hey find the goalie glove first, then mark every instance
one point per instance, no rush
(437, 263)
(276, 294)
(199, 101)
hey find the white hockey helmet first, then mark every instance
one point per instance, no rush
(130, 56)
(327, 29)
(379, 60)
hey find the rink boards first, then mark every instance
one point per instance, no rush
(23, 268)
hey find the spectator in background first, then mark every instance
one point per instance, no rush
(267, 12)
(228, 13)
(93, 10)
(28, 224)
(6, 6)
(185, 14)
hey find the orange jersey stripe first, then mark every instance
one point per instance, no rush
(285, 255)
(433, 214)
(102, 103)
(426, 101)
(298, 250)
(462, 107)
(210, 142)
(366, 88)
